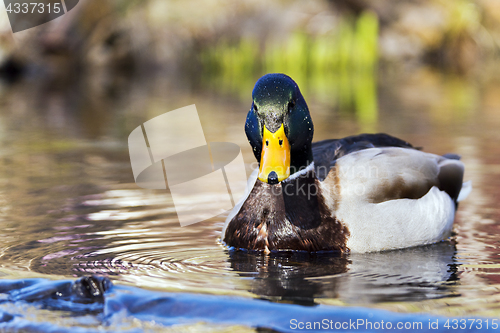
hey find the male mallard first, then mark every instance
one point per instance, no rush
(364, 193)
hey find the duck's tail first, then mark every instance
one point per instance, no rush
(452, 166)
(465, 191)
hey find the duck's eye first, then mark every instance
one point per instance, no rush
(281, 143)
(291, 104)
(267, 143)
(254, 107)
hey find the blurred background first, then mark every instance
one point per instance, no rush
(355, 58)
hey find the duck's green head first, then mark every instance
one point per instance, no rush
(279, 128)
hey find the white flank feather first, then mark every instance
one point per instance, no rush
(398, 223)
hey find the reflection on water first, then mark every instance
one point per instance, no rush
(285, 277)
(420, 273)
(402, 275)
(70, 207)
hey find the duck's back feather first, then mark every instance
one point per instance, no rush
(389, 173)
(327, 152)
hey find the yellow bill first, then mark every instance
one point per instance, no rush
(275, 156)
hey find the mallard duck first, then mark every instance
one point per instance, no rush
(363, 193)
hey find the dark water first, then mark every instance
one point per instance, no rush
(70, 208)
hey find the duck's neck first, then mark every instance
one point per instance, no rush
(302, 198)
(300, 159)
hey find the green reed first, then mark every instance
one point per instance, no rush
(338, 68)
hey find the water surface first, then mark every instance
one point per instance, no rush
(70, 207)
